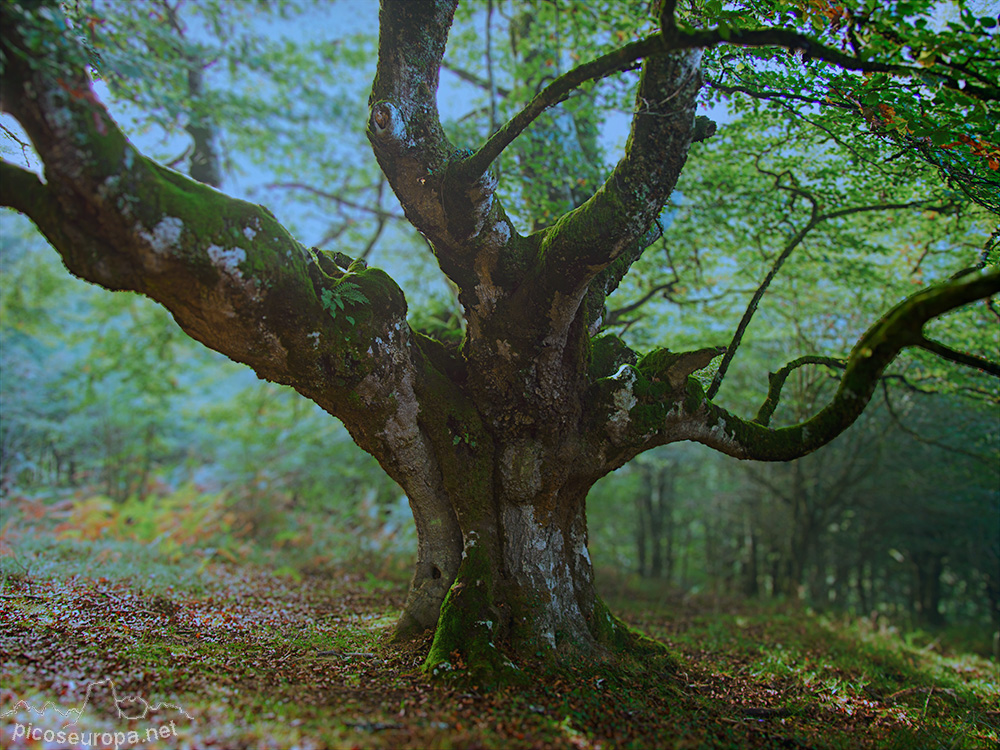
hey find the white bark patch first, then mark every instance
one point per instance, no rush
(535, 555)
(717, 435)
(164, 236)
(501, 233)
(228, 260)
(410, 448)
(718, 430)
(624, 400)
(581, 549)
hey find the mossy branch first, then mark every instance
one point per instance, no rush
(901, 327)
(231, 275)
(617, 223)
(776, 381)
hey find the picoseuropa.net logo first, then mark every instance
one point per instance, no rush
(27, 726)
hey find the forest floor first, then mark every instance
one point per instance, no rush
(202, 653)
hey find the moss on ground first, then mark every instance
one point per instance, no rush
(259, 660)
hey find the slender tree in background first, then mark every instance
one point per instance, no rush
(497, 441)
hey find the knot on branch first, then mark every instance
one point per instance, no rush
(385, 122)
(704, 128)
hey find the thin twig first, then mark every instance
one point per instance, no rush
(337, 199)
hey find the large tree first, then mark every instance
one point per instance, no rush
(496, 441)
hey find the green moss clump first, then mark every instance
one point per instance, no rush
(607, 354)
(464, 649)
(655, 364)
(626, 644)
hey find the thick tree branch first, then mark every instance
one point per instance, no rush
(22, 190)
(636, 414)
(898, 329)
(403, 124)
(463, 221)
(232, 277)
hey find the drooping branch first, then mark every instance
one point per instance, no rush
(676, 38)
(672, 39)
(235, 280)
(900, 328)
